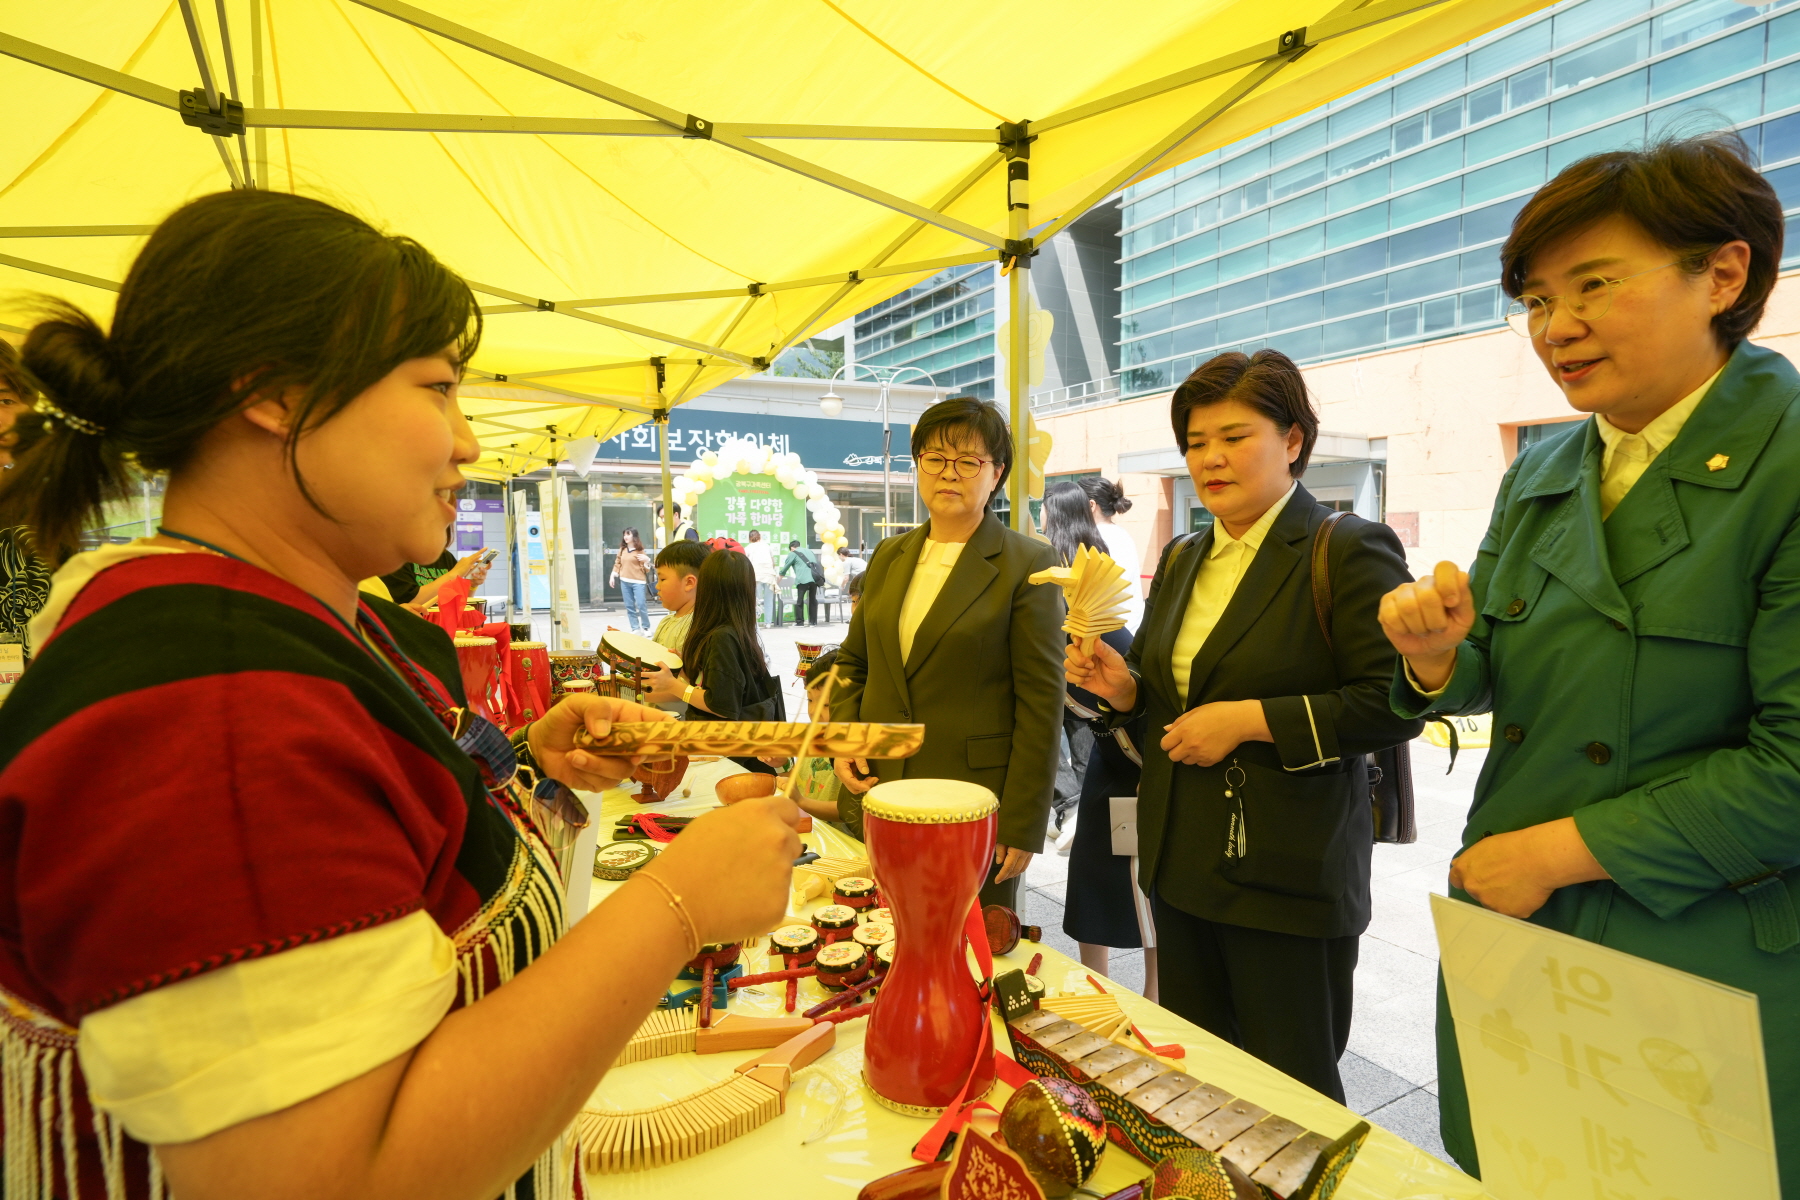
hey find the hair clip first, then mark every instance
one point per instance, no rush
(78, 424)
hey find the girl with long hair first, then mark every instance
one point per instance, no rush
(631, 571)
(1107, 500)
(728, 677)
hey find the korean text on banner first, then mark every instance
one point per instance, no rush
(1596, 1075)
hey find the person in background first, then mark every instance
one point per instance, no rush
(853, 588)
(1103, 905)
(677, 581)
(1108, 501)
(1254, 825)
(819, 790)
(768, 594)
(24, 575)
(954, 636)
(416, 585)
(276, 973)
(808, 575)
(724, 676)
(1632, 616)
(684, 529)
(631, 572)
(1069, 524)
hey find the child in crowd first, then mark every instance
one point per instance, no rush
(677, 582)
(819, 791)
(853, 589)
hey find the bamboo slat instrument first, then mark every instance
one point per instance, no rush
(834, 739)
(1097, 592)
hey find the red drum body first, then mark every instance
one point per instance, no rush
(930, 842)
(479, 658)
(528, 675)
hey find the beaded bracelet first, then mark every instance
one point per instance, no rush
(680, 911)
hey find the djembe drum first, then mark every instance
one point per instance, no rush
(569, 664)
(479, 658)
(930, 842)
(528, 671)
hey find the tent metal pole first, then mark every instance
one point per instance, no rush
(207, 84)
(256, 90)
(668, 486)
(623, 326)
(1018, 351)
(512, 559)
(88, 72)
(38, 268)
(37, 231)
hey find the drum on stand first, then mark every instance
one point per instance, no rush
(931, 842)
(569, 664)
(528, 671)
(479, 659)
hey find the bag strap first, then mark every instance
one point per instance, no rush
(1321, 574)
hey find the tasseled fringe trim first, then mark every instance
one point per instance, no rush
(37, 1067)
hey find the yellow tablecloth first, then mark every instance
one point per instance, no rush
(834, 1137)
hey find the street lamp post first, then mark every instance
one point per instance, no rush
(831, 404)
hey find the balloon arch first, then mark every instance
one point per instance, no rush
(748, 458)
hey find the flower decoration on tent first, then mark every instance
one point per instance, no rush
(744, 457)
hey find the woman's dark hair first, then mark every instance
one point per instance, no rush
(1108, 496)
(724, 599)
(235, 295)
(854, 587)
(12, 374)
(629, 540)
(1069, 522)
(1692, 195)
(1267, 381)
(962, 419)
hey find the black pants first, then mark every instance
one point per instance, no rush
(806, 595)
(1284, 998)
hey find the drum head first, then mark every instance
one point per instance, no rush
(930, 801)
(642, 648)
(474, 641)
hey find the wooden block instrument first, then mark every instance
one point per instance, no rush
(669, 1031)
(833, 739)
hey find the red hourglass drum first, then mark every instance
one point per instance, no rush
(931, 842)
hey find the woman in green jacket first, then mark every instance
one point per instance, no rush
(1633, 617)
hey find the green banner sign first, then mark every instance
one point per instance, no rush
(734, 506)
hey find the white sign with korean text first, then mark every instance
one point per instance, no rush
(1596, 1075)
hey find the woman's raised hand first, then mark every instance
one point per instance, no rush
(1102, 673)
(1426, 621)
(552, 740)
(733, 867)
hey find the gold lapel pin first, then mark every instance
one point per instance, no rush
(1718, 462)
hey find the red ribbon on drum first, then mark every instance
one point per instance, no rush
(959, 1113)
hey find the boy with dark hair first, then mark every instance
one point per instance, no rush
(677, 582)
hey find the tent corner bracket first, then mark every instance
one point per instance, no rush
(226, 121)
(1293, 43)
(697, 127)
(1015, 139)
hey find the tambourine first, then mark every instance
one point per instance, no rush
(854, 891)
(617, 860)
(835, 923)
(841, 964)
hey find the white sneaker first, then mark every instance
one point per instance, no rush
(1065, 837)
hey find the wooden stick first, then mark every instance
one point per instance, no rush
(844, 997)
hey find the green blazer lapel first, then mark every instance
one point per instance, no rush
(973, 571)
(1573, 546)
(1282, 550)
(1647, 527)
(884, 603)
(1155, 667)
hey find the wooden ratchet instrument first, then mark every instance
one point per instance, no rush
(834, 739)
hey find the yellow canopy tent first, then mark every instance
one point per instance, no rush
(655, 196)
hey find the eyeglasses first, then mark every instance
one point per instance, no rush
(967, 465)
(1589, 298)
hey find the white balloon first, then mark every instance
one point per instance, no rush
(810, 476)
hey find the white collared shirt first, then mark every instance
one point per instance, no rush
(1217, 581)
(936, 560)
(1629, 455)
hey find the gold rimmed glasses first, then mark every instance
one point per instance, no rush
(967, 465)
(1589, 298)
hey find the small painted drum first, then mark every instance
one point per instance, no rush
(809, 654)
(627, 654)
(841, 964)
(930, 842)
(617, 860)
(521, 632)
(871, 934)
(569, 664)
(884, 957)
(884, 915)
(854, 891)
(578, 687)
(797, 944)
(528, 676)
(479, 658)
(835, 923)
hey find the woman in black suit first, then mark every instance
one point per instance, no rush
(1254, 828)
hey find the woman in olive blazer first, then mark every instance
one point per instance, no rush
(984, 673)
(1254, 826)
(1635, 628)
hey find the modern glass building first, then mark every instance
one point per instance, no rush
(943, 326)
(1376, 220)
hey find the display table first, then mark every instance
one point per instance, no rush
(834, 1137)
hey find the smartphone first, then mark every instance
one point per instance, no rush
(487, 556)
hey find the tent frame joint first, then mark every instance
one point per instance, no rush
(225, 121)
(1293, 43)
(1015, 138)
(697, 127)
(546, 306)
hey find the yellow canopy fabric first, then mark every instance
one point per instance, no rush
(699, 182)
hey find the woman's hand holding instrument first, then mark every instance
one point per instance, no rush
(1103, 673)
(564, 741)
(1426, 621)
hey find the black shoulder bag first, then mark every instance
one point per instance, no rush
(1390, 770)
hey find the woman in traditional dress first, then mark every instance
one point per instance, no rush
(290, 906)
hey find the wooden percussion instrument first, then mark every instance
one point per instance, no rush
(479, 659)
(808, 654)
(627, 654)
(528, 671)
(931, 842)
(743, 739)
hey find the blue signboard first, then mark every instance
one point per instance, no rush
(822, 444)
